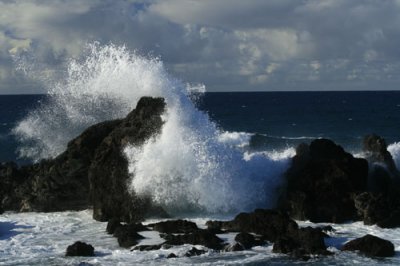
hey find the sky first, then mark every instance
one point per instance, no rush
(227, 45)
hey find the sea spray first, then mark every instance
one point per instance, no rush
(394, 150)
(190, 166)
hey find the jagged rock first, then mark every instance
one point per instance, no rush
(171, 256)
(321, 182)
(375, 149)
(268, 223)
(301, 242)
(80, 249)
(108, 173)
(383, 210)
(194, 252)
(370, 245)
(199, 237)
(148, 247)
(234, 247)
(215, 226)
(248, 240)
(174, 226)
(326, 229)
(112, 225)
(91, 172)
(276, 227)
(127, 236)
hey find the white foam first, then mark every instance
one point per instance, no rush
(190, 166)
(394, 150)
(239, 139)
(42, 238)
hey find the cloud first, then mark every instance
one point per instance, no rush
(225, 44)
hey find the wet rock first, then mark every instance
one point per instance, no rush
(215, 226)
(91, 172)
(112, 225)
(171, 256)
(127, 236)
(301, 242)
(148, 247)
(248, 240)
(377, 208)
(199, 237)
(370, 245)
(174, 226)
(327, 229)
(108, 173)
(321, 182)
(269, 223)
(277, 227)
(375, 150)
(194, 252)
(80, 249)
(234, 247)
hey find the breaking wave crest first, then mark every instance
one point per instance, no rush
(190, 166)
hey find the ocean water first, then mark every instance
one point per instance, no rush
(218, 154)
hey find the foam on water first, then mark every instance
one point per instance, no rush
(190, 166)
(42, 238)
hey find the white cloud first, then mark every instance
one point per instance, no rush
(226, 44)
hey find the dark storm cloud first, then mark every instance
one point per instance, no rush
(225, 44)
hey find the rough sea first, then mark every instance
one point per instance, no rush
(218, 154)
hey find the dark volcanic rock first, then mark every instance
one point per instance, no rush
(199, 237)
(248, 240)
(174, 226)
(194, 252)
(108, 173)
(148, 247)
(371, 246)
(375, 149)
(268, 223)
(380, 209)
(301, 242)
(234, 247)
(276, 227)
(171, 256)
(91, 172)
(112, 225)
(321, 183)
(80, 249)
(127, 236)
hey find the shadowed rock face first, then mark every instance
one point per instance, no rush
(108, 173)
(321, 182)
(91, 172)
(371, 246)
(80, 249)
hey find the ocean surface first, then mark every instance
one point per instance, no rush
(217, 155)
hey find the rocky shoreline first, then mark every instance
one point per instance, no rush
(323, 184)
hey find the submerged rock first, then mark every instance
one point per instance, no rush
(321, 183)
(276, 227)
(127, 235)
(174, 226)
(248, 240)
(370, 245)
(80, 249)
(268, 223)
(148, 247)
(199, 237)
(194, 252)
